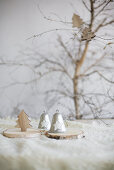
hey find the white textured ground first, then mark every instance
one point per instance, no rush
(94, 152)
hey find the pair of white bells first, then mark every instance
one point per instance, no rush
(56, 126)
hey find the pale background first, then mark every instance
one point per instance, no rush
(19, 20)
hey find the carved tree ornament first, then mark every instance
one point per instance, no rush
(87, 34)
(23, 121)
(77, 21)
(23, 128)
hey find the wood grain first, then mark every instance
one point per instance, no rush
(17, 133)
(69, 134)
(23, 121)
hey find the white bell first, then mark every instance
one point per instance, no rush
(57, 125)
(44, 122)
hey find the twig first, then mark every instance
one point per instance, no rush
(50, 19)
(99, 75)
(45, 32)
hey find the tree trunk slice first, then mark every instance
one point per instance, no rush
(16, 133)
(43, 131)
(69, 134)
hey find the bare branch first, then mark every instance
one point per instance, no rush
(19, 64)
(60, 92)
(94, 64)
(66, 50)
(100, 5)
(99, 75)
(102, 9)
(108, 23)
(50, 19)
(53, 30)
(100, 25)
(86, 6)
(103, 24)
(105, 38)
(92, 14)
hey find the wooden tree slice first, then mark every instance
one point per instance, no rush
(69, 134)
(42, 131)
(17, 133)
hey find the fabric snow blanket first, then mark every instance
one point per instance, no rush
(94, 152)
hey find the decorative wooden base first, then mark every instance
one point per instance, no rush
(30, 133)
(42, 131)
(16, 133)
(69, 134)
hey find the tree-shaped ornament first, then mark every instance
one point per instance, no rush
(23, 121)
(23, 128)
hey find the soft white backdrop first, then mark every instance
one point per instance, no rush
(20, 20)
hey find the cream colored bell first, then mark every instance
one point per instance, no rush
(44, 122)
(57, 125)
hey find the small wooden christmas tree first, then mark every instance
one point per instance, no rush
(23, 121)
(21, 131)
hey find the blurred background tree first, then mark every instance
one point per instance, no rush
(78, 73)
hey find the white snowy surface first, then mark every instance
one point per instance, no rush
(94, 152)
